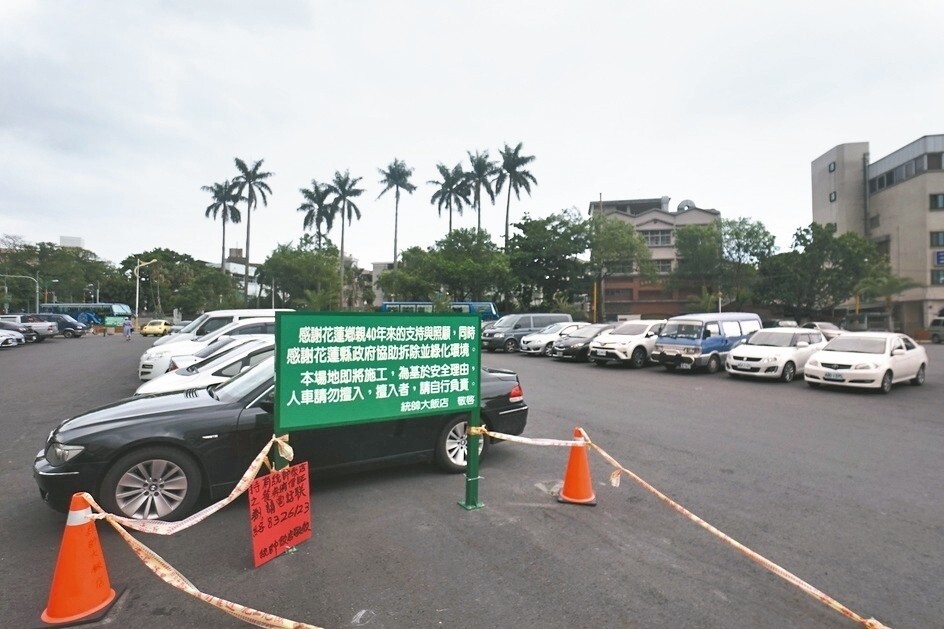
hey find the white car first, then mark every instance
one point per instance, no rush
(214, 348)
(11, 338)
(774, 353)
(540, 343)
(213, 370)
(157, 360)
(630, 343)
(871, 360)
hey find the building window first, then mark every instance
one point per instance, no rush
(658, 237)
(663, 266)
(937, 239)
(832, 196)
(937, 277)
(874, 222)
(937, 201)
(934, 161)
(832, 167)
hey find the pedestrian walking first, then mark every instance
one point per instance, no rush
(127, 327)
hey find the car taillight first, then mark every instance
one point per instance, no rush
(516, 395)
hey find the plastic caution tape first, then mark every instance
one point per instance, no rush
(159, 527)
(759, 559)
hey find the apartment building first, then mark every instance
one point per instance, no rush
(628, 294)
(898, 203)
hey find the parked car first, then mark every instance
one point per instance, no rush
(220, 345)
(216, 369)
(29, 334)
(829, 330)
(781, 323)
(936, 329)
(703, 340)
(541, 343)
(508, 331)
(774, 353)
(629, 343)
(212, 321)
(68, 326)
(44, 329)
(872, 360)
(576, 346)
(10, 338)
(151, 457)
(156, 327)
(157, 360)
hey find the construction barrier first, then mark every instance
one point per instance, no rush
(90, 595)
(582, 440)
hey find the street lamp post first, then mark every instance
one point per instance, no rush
(34, 280)
(137, 287)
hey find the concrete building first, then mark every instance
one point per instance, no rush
(898, 203)
(630, 295)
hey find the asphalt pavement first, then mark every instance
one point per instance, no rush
(842, 488)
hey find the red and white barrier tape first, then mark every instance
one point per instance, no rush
(759, 559)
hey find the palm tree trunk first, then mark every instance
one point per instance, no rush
(246, 271)
(341, 265)
(223, 249)
(450, 218)
(396, 216)
(507, 216)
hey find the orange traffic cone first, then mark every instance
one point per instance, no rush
(80, 589)
(578, 488)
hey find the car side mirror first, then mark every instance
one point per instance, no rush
(706, 334)
(802, 344)
(898, 352)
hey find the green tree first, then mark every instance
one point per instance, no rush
(545, 257)
(700, 251)
(615, 248)
(514, 175)
(469, 265)
(318, 210)
(344, 188)
(251, 186)
(304, 275)
(397, 176)
(224, 203)
(745, 243)
(453, 190)
(481, 175)
(414, 279)
(882, 284)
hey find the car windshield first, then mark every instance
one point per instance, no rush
(554, 328)
(587, 331)
(858, 345)
(214, 346)
(196, 323)
(771, 339)
(70, 319)
(239, 386)
(506, 322)
(682, 329)
(631, 329)
(226, 355)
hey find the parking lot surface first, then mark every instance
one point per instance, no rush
(840, 487)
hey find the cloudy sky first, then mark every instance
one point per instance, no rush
(114, 114)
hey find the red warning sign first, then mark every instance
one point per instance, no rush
(279, 512)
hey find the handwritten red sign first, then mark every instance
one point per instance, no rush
(279, 512)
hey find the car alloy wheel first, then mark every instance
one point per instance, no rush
(713, 365)
(886, 385)
(511, 345)
(918, 380)
(548, 349)
(452, 445)
(789, 371)
(153, 483)
(638, 359)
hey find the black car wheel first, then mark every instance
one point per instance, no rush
(936, 338)
(918, 380)
(548, 349)
(789, 371)
(886, 385)
(68, 334)
(511, 345)
(152, 483)
(713, 365)
(452, 445)
(638, 358)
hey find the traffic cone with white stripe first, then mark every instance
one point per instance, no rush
(578, 488)
(81, 591)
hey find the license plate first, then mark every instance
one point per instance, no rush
(601, 352)
(833, 376)
(743, 366)
(685, 366)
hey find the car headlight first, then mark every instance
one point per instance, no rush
(579, 344)
(158, 354)
(499, 335)
(768, 359)
(58, 454)
(657, 348)
(691, 351)
(866, 366)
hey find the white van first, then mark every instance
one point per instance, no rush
(214, 320)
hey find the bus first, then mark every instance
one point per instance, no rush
(485, 309)
(109, 315)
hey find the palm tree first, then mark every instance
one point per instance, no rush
(224, 203)
(482, 174)
(453, 190)
(252, 181)
(396, 176)
(318, 211)
(513, 173)
(886, 287)
(344, 189)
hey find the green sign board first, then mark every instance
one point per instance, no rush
(334, 369)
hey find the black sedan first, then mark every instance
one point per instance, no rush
(152, 457)
(576, 345)
(28, 333)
